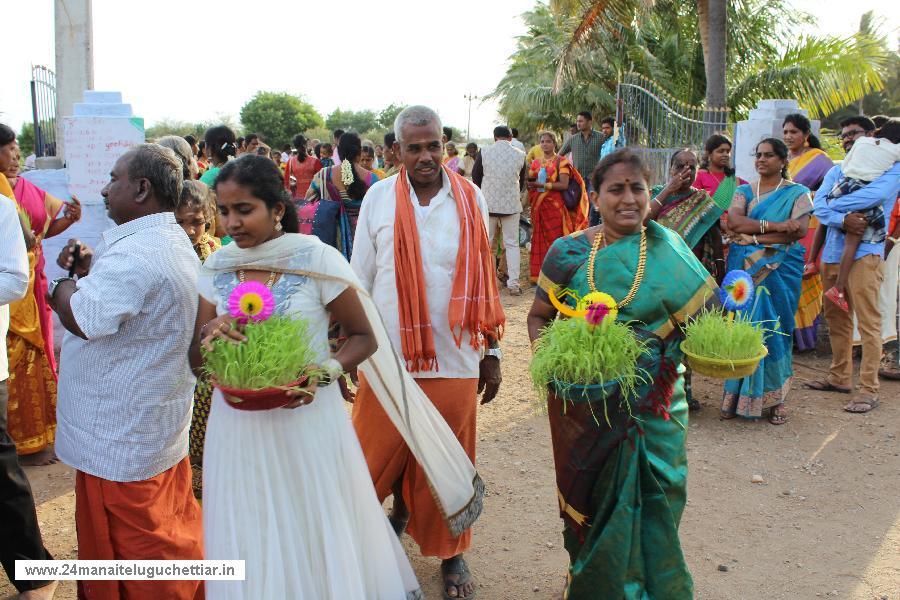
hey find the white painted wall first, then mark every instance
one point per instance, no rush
(764, 121)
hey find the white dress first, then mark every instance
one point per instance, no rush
(288, 490)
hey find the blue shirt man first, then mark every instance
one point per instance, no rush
(865, 277)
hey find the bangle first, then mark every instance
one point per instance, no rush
(762, 226)
(534, 344)
(755, 241)
(333, 370)
(894, 240)
(548, 186)
(720, 260)
(658, 202)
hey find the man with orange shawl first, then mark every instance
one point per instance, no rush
(422, 251)
(552, 216)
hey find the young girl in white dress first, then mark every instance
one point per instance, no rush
(287, 490)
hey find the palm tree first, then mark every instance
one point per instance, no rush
(712, 18)
(575, 49)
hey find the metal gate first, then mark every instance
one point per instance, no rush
(43, 110)
(656, 125)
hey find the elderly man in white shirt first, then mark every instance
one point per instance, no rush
(20, 535)
(125, 386)
(422, 251)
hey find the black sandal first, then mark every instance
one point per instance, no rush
(456, 566)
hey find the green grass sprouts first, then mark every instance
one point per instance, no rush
(277, 352)
(572, 352)
(712, 334)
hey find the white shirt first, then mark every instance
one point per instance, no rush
(373, 261)
(517, 144)
(125, 393)
(13, 271)
(502, 164)
(870, 158)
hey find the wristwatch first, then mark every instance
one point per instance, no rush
(495, 352)
(51, 289)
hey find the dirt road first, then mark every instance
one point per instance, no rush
(824, 522)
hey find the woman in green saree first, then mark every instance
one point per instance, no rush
(622, 484)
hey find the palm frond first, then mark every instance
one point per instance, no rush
(824, 74)
(616, 13)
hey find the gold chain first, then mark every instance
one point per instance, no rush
(638, 276)
(269, 283)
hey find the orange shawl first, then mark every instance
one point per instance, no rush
(474, 303)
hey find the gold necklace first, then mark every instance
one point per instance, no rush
(269, 283)
(638, 276)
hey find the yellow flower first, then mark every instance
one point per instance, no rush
(599, 298)
(251, 304)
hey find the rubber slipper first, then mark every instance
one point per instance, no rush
(825, 386)
(838, 298)
(871, 403)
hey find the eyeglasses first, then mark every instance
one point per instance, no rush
(851, 134)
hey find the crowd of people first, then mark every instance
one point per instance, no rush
(390, 252)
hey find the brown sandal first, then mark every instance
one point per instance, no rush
(865, 401)
(823, 385)
(777, 418)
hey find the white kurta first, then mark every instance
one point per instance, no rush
(288, 490)
(373, 262)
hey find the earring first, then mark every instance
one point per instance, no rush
(278, 225)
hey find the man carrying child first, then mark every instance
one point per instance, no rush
(847, 204)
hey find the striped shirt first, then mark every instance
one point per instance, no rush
(125, 392)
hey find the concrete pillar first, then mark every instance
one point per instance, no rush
(74, 58)
(763, 121)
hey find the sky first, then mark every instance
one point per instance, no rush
(193, 61)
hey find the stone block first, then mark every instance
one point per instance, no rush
(100, 109)
(101, 97)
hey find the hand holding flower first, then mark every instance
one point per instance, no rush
(223, 327)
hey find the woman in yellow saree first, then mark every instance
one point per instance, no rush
(32, 366)
(808, 166)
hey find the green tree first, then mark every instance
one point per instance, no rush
(388, 114)
(883, 102)
(177, 127)
(349, 120)
(575, 50)
(26, 139)
(278, 116)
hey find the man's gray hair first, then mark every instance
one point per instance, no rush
(183, 151)
(162, 168)
(417, 116)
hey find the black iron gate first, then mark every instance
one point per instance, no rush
(656, 125)
(43, 110)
